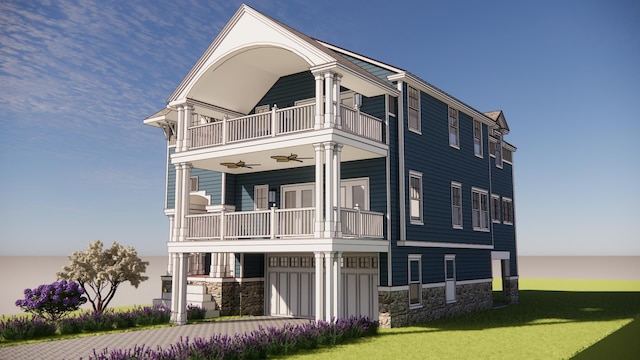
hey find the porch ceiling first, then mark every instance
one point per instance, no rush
(239, 81)
(262, 158)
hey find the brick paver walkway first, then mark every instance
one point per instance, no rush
(163, 337)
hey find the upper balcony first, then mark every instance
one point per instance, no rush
(207, 131)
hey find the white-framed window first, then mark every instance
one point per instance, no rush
(507, 211)
(480, 209)
(495, 208)
(415, 197)
(193, 183)
(498, 150)
(413, 102)
(260, 197)
(456, 205)
(477, 138)
(415, 280)
(454, 128)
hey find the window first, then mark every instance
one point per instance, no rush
(456, 205)
(480, 209)
(454, 131)
(507, 211)
(507, 155)
(495, 208)
(477, 138)
(415, 197)
(260, 197)
(413, 100)
(415, 280)
(193, 183)
(498, 151)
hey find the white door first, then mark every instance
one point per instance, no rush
(360, 285)
(354, 192)
(297, 196)
(450, 277)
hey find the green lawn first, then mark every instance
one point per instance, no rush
(547, 324)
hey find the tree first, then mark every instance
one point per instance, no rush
(53, 301)
(100, 272)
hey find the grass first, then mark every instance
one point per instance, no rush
(547, 324)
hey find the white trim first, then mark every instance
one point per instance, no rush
(401, 171)
(388, 188)
(433, 244)
(500, 255)
(420, 220)
(474, 281)
(512, 277)
(223, 280)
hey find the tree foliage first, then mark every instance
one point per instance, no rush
(99, 272)
(53, 301)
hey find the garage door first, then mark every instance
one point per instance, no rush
(291, 285)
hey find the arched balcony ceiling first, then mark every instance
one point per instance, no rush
(239, 81)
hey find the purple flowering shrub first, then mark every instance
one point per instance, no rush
(53, 301)
(195, 312)
(24, 328)
(259, 344)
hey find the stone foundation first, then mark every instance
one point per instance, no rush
(233, 297)
(395, 311)
(511, 291)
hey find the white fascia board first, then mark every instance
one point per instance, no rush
(440, 95)
(474, 281)
(271, 143)
(278, 245)
(432, 244)
(361, 57)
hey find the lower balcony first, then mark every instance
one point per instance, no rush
(279, 224)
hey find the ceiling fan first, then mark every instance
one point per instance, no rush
(284, 158)
(239, 164)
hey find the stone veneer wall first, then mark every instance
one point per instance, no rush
(233, 297)
(394, 305)
(511, 291)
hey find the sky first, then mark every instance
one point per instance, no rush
(78, 77)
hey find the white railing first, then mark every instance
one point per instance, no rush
(279, 223)
(362, 124)
(295, 222)
(362, 224)
(278, 122)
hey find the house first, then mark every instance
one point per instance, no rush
(307, 180)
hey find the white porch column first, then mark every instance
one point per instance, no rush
(188, 115)
(328, 102)
(337, 284)
(223, 189)
(179, 289)
(336, 100)
(212, 266)
(337, 192)
(319, 285)
(333, 291)
(184, 200)
(329, 189)
(319, 118)
(177, 204)
(179, 128)
(171, 232)
(319, 225)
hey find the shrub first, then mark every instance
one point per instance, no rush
(53, 301)
(23, 328)
(152, 315)
(195, 312)
(259, 344)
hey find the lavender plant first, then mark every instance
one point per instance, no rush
(53, 301)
